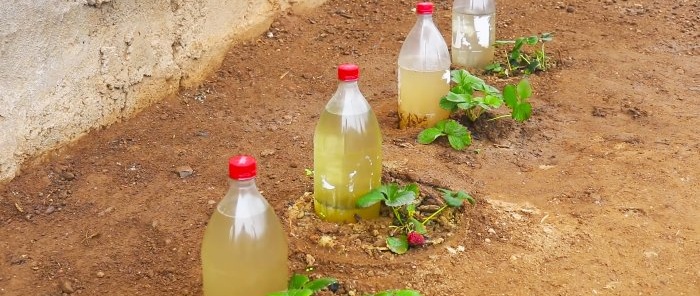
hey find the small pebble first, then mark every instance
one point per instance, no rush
(184, 171)
(487, 240)
(100, 274)
(68, 176)
(67, 287)
(570, 9)
(49, 210)
(310, 260)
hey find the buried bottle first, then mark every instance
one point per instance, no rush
(347, 152)
(244, 250)
(424, 72)
(473, 32)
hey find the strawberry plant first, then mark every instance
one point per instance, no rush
(473, 96)
(520, 62)
(301, 285)
(408, 223)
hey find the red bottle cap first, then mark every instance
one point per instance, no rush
(241, 167)
(424, 8)
(348, 72)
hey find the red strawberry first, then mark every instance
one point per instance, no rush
(415, 239)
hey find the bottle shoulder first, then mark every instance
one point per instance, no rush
(425, 48)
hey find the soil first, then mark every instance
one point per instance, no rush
(595, 195)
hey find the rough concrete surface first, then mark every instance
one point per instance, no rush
(69, 66)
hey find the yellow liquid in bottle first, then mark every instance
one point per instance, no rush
(347, 164)
(419, 97)
(244, 255)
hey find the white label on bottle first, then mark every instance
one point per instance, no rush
(482, 26)
(446, 76)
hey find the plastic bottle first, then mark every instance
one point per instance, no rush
(424, 72)
(473, 32)
(347, 152)
(244, 251)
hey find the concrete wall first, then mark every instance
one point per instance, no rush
(68, 66)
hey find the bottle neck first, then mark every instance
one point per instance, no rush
(428, 17)
(348, 85)
(247, 185)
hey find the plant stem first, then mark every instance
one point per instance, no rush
(433, 215)
(498, 117)
(397, 215)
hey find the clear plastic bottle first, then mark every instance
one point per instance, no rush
(424, 72)
(244, 251)
(473, 32)
(347, 152)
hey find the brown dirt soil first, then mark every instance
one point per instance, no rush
(596, 194)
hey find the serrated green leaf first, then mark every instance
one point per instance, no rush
(532, 40)
(297, 281)
(370, 198)
(319, 284)
(493, 101)
(459, 76)
(457, 98)
(524, 90)
(417, 226)
(397, 244)
(452, 127)
(452, 200)
(440, 125)
(429, 135)
(447, 105)
(459, 142)
(522, 112)
(400, 198)
(510, 96)
(466, 106)
(412, 187)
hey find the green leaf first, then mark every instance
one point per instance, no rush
(532, 40)
(412, 187)
(459, 76)
(524, 90)
(452, 127)
(397, 244)
(389, 190)
(429, 135)
(297, 281)
(282, 293)
(447, 105)
(510, 95)
(522, 112)
(417, 226)
(402, 197)
(456, 199)
(459, 142)
(493, 101)
(457, 98)
(370, 198)
(319, 284)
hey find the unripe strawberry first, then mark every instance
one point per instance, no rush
(415, 239)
